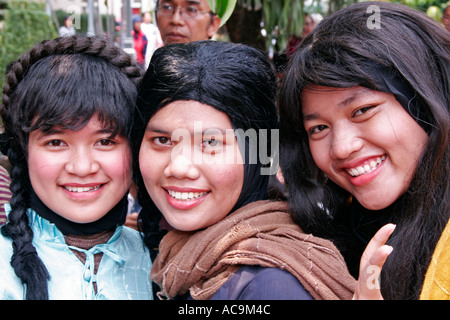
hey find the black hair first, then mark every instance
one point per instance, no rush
(61, 82)
(339, 53)
(232, 78)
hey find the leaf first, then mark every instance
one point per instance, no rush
(212, 5)
(223, 8)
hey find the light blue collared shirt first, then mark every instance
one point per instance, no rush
(123, 273)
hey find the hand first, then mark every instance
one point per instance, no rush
(372, 261)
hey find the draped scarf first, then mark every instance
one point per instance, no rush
(259, 234)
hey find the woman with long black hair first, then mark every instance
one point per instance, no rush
(364, 127)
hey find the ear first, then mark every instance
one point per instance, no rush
(214, 26)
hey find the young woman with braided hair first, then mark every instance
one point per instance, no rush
(67, 110)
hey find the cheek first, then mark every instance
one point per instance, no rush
(320, 153)
(119, 164)
(149, 166)
(229, 180)
(42, 167)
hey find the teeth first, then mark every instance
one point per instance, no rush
(81, 189)
(366, 167)
(186, 195)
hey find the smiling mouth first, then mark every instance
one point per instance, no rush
(184, 196)
(366, 167)
(82, 189)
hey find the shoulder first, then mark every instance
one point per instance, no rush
(11, 287)
(5, 244)
(6, 251)
(259, 283)
(130, 240)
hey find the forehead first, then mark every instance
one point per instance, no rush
(189, 114)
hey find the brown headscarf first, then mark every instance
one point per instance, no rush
(261, 233)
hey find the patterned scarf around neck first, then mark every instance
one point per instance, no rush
(261, 233)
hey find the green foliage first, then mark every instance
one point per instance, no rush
(25, 24)
(282, 18)
(223, 8)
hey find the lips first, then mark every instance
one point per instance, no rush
(82, 188)
(185, 198)
(366, 167)
(175, 36)
(186, 195)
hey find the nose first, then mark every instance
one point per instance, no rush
(345, 142)
(181, 166)
(82, 163)
(177, 17)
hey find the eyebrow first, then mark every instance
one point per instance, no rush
(61, 130)
(310, 116)
(156, 129)
(358, 94)
(211, 130)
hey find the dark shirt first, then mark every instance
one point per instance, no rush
(258, 283)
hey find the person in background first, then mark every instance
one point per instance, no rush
(139, 40)
(151, 31)
(446, 18)
(67, 29)
(311, 21)
(5, 193)
(185, 20)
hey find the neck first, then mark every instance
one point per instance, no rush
(116, 216)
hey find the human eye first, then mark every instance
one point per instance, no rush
(55, 143)
(106, 142)
(191, 11)
(362, 110)
(212, 145)
(162, 141)
(165, 7)
(317, 131)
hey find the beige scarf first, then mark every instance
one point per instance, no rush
(261, 233)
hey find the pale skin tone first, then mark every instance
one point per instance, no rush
(177, 28)
(192, 169)
(367, 143)
(80, 175)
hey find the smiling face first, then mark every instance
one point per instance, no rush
(80, 175)
(191, 164)
(364, 141)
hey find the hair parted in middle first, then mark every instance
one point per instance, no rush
(233, 78)
(61, 82)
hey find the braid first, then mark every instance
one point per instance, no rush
(25, 260)
(69, 45)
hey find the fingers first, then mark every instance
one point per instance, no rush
(378, 241)
(372, 261)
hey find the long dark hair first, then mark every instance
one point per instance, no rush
(344, 51)
(61, 82)
(235, 79)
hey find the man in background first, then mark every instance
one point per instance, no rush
(185, 20)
